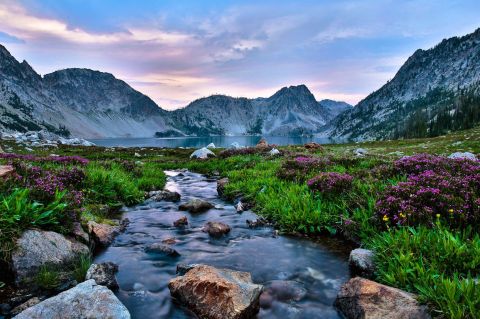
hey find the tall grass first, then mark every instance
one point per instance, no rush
(112, 185)
(438, 264)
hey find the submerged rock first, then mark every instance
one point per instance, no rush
(465, 155)
(217, 293)
(164, 195)
(196, 206)
(86, 300)
(161, 249)
(202, 153)
(36, 248)
(259, 222)
(216, 229)
(221, 183)
(103, 274)
(181, 222)
(284, 291)
(361, 262)
(363, 298)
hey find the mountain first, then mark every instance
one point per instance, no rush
(80, 102)
(290, 111)
(93, 104)
(435, 90)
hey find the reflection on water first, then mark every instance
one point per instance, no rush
(197, 142)
(315, 271)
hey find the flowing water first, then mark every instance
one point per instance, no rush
(314, 270)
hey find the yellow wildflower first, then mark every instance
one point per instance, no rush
(385, 218)
(438, 215)
(450, 211)
(402, 215)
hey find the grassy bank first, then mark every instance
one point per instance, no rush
(421, 214)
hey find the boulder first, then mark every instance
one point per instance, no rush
(6, 170)
(86, 300)
(363, 298)
(235, 145)
(79, 233)
(181, 222)
(182, 269)
(259, 222)
(103, 274)
(217, 293)
(104, 234)
(360, 152)
(164, 195)
(27, 304)
(465, 155)
(262, 143)
(361, 262)
(36, 248)
(161, 249)
(202, 153)
(211, 145)
(274, 152)
(216, 229)
(239, 207)
(196, 206)
(313, 146)
(221, 183)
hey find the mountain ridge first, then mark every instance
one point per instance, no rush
(93, 104)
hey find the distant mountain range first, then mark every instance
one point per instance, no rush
(94, 104)
(435, 90)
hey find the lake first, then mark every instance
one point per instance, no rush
(197, 142)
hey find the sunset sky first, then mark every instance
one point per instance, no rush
(177, 51)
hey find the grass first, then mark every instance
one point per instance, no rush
(19, 212)
(47, 278)
(438, 264)
(80, 267)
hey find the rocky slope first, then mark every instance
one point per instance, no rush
(82, 102)
(90, 104)
(291, 111)
(429, 80)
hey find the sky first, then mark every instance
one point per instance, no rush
(176, 51)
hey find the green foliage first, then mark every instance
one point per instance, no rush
(80, 267)
(111, 185)
(152, 177)
(47, 278)
(438, 264)
(19, 212)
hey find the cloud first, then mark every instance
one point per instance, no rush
(8, 38)
(178, 51)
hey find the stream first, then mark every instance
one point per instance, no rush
(313, 270)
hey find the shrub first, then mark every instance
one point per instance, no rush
(298, 168)
(438, 264)
(330, 183)
(54, 159)
(431, 196)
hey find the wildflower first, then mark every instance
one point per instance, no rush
(402, 215)
(438, 215)
(385, 218)
(450, 211)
